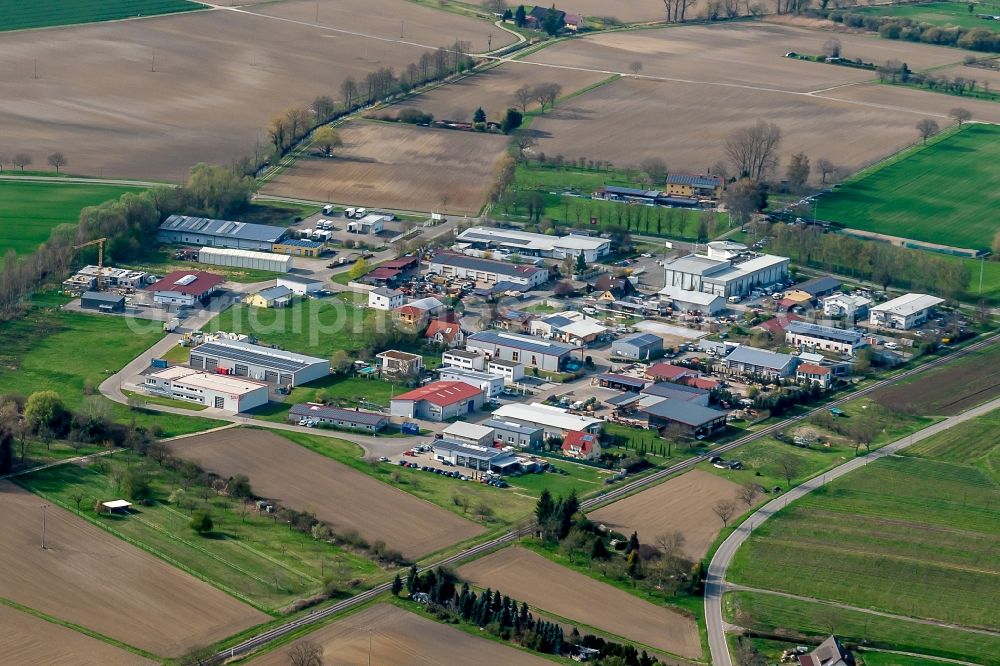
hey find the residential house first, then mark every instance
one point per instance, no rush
(583, 445)
(694, 186)
(610, 288)
(829, 653)
(445, 333)
(812, 372)
(400, 363)
(849, 306)
(417, 313)
(570, 326)
(383, 298)
(514, 321)
(438, 401)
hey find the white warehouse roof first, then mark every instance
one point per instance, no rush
(545, 415)
(207, 380)
(467, 431)
(908, 304)
(224, 256)
(532, 241)
(688, 296)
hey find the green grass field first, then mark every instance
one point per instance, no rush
(915, 536)
(250, 555)
(769, 614)
(29, 211)
(939, 13)
(161, 262)
(919, 196)
(21, 15)
(340, 390)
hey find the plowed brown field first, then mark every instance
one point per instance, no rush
(400, 638)
(543, 584)
(345, 498)
(88, 577)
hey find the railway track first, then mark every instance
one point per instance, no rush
(617, 493)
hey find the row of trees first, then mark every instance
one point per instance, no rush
(894, 27)
(21, 160)
(545, 94)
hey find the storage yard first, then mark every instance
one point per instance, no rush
(543, 584)
(307, 481)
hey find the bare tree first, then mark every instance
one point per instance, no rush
(635, 67)
(724, 509)
(306, 653)
(748, 492)
(349, 92)
(825, 168)
(524, 96)
(524, 143)
(546, 94)
(21, 160)
(655, 168)
(831, 48)
(671, 544)
(752, 150)
(790, 467)
(57, 160)
(863, 432)
(497, 7)
(798, 171)
(960, 115)
(927, 128)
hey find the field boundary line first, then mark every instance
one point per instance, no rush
(932, 657)
(199, 6)
(57, 463)
(51, 619)
(736, 587)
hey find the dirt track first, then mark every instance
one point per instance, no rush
(89, 577)
(545, 585)
(402, 167)
(681, 504)
(401, 638)
(345, 498)
(26, 639)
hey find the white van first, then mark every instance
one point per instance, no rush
(360, 212)
(735, 299)
(328, 209)
(349, 212)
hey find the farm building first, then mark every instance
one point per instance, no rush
(298, 247)
(629, 194)
(260, 261)
(686, 300)
(678, 392)
(693, 186)
(482, 458)
(102, 301)
(544, 355)
(394, 362)
(230, 394)
(751, 361)
(512, 433)
(570, 326)
(819, 287)
(491, 385)
(696, 419)
(299, 285)
(814, 373)
(488, 271)
(620, 382)
(556, 422)
(583, 445)
(725, 270)
(438, 401)
(383, 298)
(463, 358)
(219, 233)
(829, 653)
(529, 244)
(665, 372)
(272, 297)
(511, 371)
(445, 333)
(185, 288)
(826, 338)
(904, 312)
(243, 359)
(846, 305)
(469, 433)
(352, 419)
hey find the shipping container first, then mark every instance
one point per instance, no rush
(158, 363)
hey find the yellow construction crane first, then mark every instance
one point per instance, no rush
(99, 242)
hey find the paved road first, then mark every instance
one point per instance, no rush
(715, 585)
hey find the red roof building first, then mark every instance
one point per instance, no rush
(583, 445)
(814, 373)
(665, 372)
(776, 326)
(702, 383)
(185, 287)
(438, 401)
(445, 333)
(401, 264)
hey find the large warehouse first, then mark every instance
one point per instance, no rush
(532, 352)
(219, 233)
(257, 362)
(488, 271)
(726, 270)
(261, 261)
(529, 244)
(213, 390)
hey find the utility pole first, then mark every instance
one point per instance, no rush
(36, 68)
(44, 507)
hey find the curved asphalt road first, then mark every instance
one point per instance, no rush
(715, 584)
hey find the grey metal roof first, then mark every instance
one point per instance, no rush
(300, 279)
(693, 180)
(102, 296)
(622, 399)
(338, 414)
(452, 446)
(522, 342)
(272, 293)
(484, 265)
(622, 379)
(243, 352)
(684, 412)
(819, 285)
(631, 192)
(675, 391)
(761, 357)
(222, 228)
(640, 340)
(825, 332)
(513, 426)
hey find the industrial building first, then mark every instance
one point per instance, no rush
(299, 285)
(185, 288)
(638, 346)
(213, 390)
(482, 458)
(437, 401)
(488, 271)
(532, 352)
(491, 385)
(260, 261)
(687, 300)
(350, 419)
(469, 433)
(696, 419)
(219, 233)
(751, 361)
(555, 421)
(846, 305)
(823, 338)
(529, 244)
(463, 358)
(102, 301)
(258, 362)
(511, 371)
(727, 269)
(298, 247)
(512, 433)
(904, 312)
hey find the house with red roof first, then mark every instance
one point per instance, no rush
(438, 401)
(446, 333)
(666, 372)
(582, 445)
(185, 288)
(776, 326)
(814, 373)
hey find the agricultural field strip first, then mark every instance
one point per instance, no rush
(278, 632)
(715, 585)
(735, 587)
